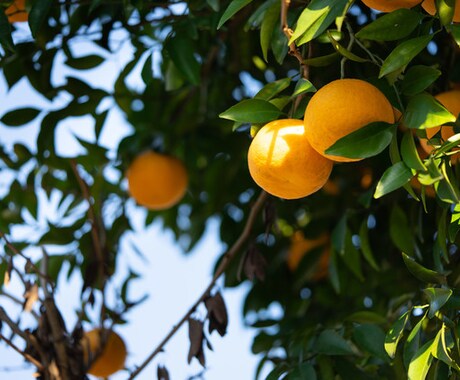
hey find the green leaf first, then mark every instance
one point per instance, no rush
(412, 343)
(400, 231)
(85, 63)
(272, 89)
(454, 29)
(269, 23)
(421, 362)
(364, 142)
(303, 86)
(252, 111)
(182, 52)
(367, 317)
(391, 26)
(330, 342)
(5, 32)
(316, 18)
(325, 60)
(421, 273)
(437, 298)
(351, 256)
(38, 15)
(366, 247)
(304, 371)
(418, 78)
(445, 10)
(232, 8)
(395, 334)
(147, 72)
(19, 117)
(371, 338)
(393, 178)
(442, 346)
(343, 51)
(403, 54)
(424, 111)
(409, 152)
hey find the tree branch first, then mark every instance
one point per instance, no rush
(29, 358)
(228, 257)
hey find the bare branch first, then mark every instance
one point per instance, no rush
(228, 257)
(29, 358)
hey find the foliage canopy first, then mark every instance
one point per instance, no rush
(211, 74)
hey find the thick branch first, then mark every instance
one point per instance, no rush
(57, 328)
(229, 255)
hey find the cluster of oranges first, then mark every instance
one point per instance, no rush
(392, 5)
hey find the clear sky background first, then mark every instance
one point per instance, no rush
(172, 280)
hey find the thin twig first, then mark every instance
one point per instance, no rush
(18, 301)
(28, 357)
(229, 255)
(20, 253)
(12, 325)
(304, 69)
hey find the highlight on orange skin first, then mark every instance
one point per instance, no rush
(16, 12)
(430, 7)
(390, 5)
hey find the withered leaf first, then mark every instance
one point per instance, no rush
(269, 215)
(217, 314)
(196, 337)
(162, 373)
(254, 264)
(30, 297)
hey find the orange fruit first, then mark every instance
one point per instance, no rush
(430, 7)
(157, 181)
(106, 360)
(390, 5)
(341, 107)
(282, 162)
(16, 12)
(450, 100)
(300, 246)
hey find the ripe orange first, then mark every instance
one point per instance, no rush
(109, 359)
(450, 100)
(16, 12)
(300, 247)
(430, 7)
(341, 107)
(390, 5)
(282, 162)
(157, 181)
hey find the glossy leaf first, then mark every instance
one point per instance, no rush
(409, 152)
(437, 298)
(371, 338)
(343, 51)
(315, 19)
(421, 273)
(412, 344)
(393, 178)
(303, 86)
(418, 78)
(252, 111)
(391, 26)
(364, 142)
(5, 32)
(424, 111)
(269, 23)
(394, 334)
(403, 54)
(272, 89)
(232, 9)
(420, 364)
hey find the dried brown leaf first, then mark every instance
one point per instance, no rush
(162, 373)
(254, 264)
(217, 314)
(196, 337)
(30, 297)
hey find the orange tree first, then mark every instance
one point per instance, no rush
(388, 306)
